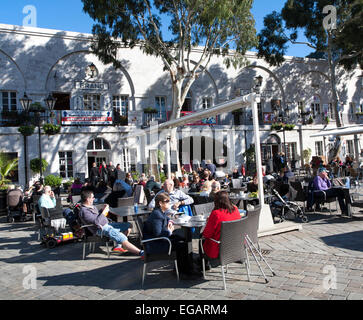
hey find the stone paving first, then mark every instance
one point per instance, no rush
(323, 261)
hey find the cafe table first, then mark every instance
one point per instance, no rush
(188, 234)
(124, 212)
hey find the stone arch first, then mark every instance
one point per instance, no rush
(273, 75)
(17, 66)
(123, 70)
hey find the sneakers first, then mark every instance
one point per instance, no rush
(119, 250)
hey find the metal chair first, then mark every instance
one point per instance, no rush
(203, 209)
(125, 202)
(150, 257)
(76, 199)
(230, 246)
(250, 240)
(35, 208)
(297, 193)
(92, 239)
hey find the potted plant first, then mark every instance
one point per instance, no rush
(306, 155)
(310, 120)
(51, 129)
(26, 130)
(54, 182)
(35, 165)
(6, 166)
(276, 126)
(288, 127)
(150, 110)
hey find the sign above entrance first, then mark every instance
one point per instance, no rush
(88, 85)
(78, 117)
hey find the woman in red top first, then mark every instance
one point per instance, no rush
(224, 210)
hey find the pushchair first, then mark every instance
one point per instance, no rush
(15, 206)
(281, 208)
(286, 210)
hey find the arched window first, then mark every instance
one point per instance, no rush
(98, 144)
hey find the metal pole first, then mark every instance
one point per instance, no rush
(168, 155)
(40, 155)
(257, 148)
(25, 161)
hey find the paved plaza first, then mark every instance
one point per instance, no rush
(323, 261)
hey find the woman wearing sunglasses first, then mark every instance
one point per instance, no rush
(159, 225)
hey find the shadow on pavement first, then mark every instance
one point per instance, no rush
(121, 277)
(350, 240)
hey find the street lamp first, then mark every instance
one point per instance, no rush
(50, 102)
(25, 103)
(38, 111)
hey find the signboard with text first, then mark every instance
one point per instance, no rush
(78, 117)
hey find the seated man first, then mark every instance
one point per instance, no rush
(100, 225)
(322, 183)
(178, 199)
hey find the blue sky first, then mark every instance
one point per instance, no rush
(68, 15)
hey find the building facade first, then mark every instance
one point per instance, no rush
(98, 105)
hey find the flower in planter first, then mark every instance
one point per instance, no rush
(51, 129)
(26, 130)
(150, 110)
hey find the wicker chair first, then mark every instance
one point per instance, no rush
(230, 246)
(250, 240)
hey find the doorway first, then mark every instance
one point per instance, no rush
(97, 157)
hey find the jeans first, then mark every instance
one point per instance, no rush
(114, 231)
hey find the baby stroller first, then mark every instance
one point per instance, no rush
(286, 210)
(15, 206)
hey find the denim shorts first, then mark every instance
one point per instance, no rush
(114, 231)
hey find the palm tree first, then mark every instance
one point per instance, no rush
(6, 166)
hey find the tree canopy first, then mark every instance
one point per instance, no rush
(307, 16)
(215, 27)
(333, 28)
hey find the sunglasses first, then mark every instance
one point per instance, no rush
(166, 201)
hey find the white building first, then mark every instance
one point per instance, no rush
(41, 61)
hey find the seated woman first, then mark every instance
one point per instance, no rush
(159, 225)
(224, 210)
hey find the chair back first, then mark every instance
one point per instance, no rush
(139, 225)
(204, 209)
(250, 225)
(125, 202)
(51, 214)
(139, 194)
(296, 191)
(236, 183)
(58, 202)
(76, 199)
(230, 249)
(15, 198)
(148, 195)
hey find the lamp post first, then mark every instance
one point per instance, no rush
(25, 103)
(50, 102)
(38, 111)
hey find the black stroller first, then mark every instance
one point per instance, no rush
(15, 206)
(286, 210)
(280, 208)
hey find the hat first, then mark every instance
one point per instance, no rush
(322, 169)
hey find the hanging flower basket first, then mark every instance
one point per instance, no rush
(51, 129)
(150, 110)
(289, 127)
(276, 126)
(26, 130)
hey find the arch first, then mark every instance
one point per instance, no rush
(124, 71)
(273, 139)
(98, 144)
(273, 75)
(13, 61)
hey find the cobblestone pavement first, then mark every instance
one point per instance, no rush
(327, 247)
